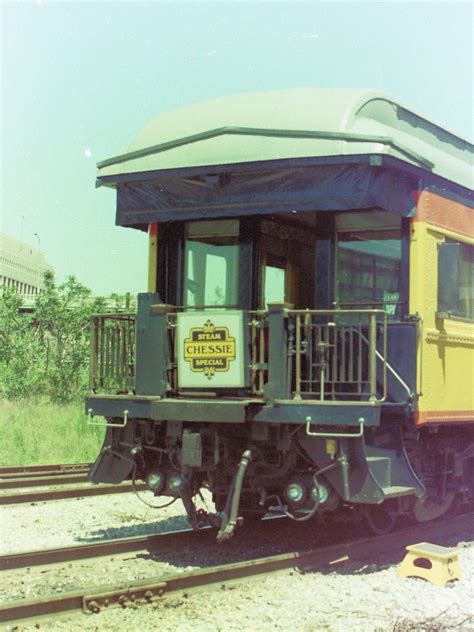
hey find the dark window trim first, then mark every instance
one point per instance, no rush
(170, 262)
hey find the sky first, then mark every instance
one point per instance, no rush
(81, 78)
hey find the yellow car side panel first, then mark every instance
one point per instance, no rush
(446, 347)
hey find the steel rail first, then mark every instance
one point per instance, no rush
(68, 491)
(42, 481)
(112, 547)
(135, 593)
(17, 471)
(91, 550)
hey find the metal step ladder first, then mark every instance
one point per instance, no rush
(390, 472)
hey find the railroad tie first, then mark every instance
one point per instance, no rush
(437, 564)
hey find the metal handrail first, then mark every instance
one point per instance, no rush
(338, 435)
(327, 352)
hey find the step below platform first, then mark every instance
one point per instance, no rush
(385, 470)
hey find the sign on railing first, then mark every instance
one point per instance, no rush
(211, 350)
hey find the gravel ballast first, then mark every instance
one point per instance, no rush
(354, 596)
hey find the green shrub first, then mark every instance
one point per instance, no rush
(21, 349)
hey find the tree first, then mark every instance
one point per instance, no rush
(63, 313)
(21, 372)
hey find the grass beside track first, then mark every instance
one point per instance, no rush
(43, 433)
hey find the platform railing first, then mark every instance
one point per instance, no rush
(325, 355)
(337, 354)
(258, 325)
(112, 352)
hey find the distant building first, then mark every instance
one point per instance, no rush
(21, 266)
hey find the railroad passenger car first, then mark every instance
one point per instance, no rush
(306, 341)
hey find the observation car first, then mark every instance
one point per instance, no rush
(306, 341)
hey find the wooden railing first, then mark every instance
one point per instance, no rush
(112, 355)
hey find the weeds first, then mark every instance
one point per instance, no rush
(442, 622)
(43, 432)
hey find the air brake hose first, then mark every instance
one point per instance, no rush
(228, 528)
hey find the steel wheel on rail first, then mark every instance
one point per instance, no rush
(381, 519)
(426, 510)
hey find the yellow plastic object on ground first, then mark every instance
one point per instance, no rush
(437, 564)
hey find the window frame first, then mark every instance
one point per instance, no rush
(404, 270)
(443, 311)
(210, 233)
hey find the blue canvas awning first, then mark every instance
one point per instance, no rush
(337, 187)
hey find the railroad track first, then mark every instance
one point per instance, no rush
(25, 471)
(68, 491)
(94, 600)
(57, 482)
(117, 546)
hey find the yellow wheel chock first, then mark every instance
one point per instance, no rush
(437, 564)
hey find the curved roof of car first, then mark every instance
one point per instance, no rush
(284, 124)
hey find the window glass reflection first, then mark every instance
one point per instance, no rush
(211, 265)
(368, 263)
(274, 285)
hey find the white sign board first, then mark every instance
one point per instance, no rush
(211, 349)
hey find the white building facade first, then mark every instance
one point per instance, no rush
(21, 266)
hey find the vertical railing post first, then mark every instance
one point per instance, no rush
(384, 367)
(253, 354)
(277, 384)
(373, 357)
(101, 350)
(297, 394)
(261, 355)
(93, 354)
(132, 343)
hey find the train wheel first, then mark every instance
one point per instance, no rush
(381, 519)
(426, 510)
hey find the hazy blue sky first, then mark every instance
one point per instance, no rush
(79, 79)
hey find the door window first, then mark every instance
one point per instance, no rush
(211, 264)
(274, 291)
(287, 262)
